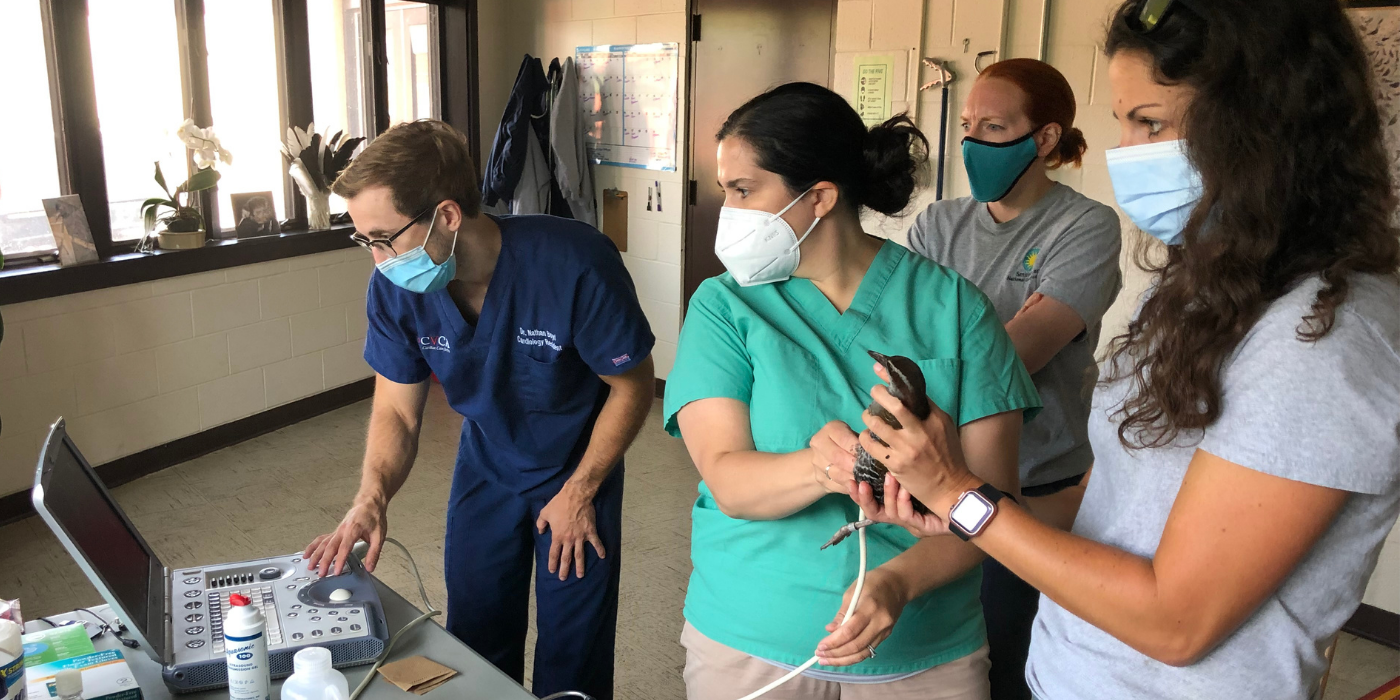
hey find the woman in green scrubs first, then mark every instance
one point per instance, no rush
(771, 373)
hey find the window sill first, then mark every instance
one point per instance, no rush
(27, 283)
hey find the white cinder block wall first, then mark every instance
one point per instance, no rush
(140, 365)
(550, 29)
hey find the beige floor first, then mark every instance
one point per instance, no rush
(270, 495)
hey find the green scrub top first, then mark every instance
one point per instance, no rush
(765, 587)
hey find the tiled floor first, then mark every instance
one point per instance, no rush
(272, 494)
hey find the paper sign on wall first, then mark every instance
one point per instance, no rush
(873, 78)
(628, 99)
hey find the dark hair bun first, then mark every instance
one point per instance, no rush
(896, 160)
(808, 134)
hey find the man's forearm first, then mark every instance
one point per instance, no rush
(621, 418)
(390, 448)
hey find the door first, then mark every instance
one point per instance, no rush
(739, 49)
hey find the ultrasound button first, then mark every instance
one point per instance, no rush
(335, 630)
(296, 607)
(192, 580)
(195, 643)
(269, 573)
(315, 618)
(316, 633)
(303, 578)
(192, 594)
(194, 605)
(195, 630)
(354, 628)
(342, 619)
(194, 617)
(313, 611)
(355, 611)
(296, 560)
(291, 587)
(297, 635)
(291, 614)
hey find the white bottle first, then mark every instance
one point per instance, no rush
(11, 661)
(314, 679)
(245, 646)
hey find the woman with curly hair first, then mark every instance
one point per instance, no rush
(1246, 434)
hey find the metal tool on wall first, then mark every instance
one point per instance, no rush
(944, 78)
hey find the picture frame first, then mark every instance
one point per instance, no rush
(254, 214)
(71, 233)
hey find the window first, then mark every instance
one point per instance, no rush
(28, 162)
(243, 96)
(139, 103)
(409, 32)
(337, 77)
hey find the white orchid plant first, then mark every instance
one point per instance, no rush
(183, 216)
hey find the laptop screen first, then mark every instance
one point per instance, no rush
(85, 510)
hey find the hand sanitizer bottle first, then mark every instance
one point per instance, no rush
(245, 645)
(313, 678)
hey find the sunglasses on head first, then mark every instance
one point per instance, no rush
(1154, 11)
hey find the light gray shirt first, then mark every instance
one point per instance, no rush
(1324, 413)
(1066, 247)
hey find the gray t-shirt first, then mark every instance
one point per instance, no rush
(1066, 247)
(1324, 413)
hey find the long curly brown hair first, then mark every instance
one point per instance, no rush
(1286, 135)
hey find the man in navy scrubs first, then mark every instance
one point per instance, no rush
(532, 325)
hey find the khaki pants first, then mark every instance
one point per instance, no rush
(714, 671)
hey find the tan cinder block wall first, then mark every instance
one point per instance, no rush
(140, 365)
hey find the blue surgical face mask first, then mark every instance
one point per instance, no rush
(1156, 186)
(416, 271)
(994, 168)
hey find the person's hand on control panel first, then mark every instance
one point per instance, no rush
(364, 521)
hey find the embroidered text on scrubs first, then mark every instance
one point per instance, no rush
(537, 337)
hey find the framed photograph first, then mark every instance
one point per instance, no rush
(255, 214)
(1378, 23)
(70, 229)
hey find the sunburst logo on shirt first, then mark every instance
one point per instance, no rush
(1028, 262)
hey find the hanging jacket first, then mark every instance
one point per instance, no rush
(573, 169)
(510, 162)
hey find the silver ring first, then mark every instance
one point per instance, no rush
(828, 472)
(871, 650)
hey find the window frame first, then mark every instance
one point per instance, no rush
(78, 136)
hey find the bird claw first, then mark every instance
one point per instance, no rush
(847, 530)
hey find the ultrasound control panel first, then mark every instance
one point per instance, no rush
(300, 608)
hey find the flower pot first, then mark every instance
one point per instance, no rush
(181, 240)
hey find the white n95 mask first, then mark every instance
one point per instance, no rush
(1156, 186)
(758, 247)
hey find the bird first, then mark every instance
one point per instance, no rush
(907, 385)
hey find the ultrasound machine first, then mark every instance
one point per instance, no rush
(177, 614)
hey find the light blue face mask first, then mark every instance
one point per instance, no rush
(1156, 186)
(416, 271)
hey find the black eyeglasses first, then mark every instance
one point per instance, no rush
(1154, 11)
(368, 243)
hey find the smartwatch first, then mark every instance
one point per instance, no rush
(973, 511)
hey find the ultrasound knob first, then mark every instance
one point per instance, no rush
(269, 573)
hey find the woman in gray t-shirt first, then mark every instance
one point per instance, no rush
(1047, 258)
(1246, 434)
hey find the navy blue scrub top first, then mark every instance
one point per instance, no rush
(560, 310)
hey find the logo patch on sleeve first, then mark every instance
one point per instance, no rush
(618, 361)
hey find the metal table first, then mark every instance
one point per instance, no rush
(476, 678)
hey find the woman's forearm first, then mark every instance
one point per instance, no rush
(754, 485)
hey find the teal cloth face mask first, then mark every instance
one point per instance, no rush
(416, 271)
(1156, 186)
(994, 168)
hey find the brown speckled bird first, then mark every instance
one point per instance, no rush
(907, 385)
